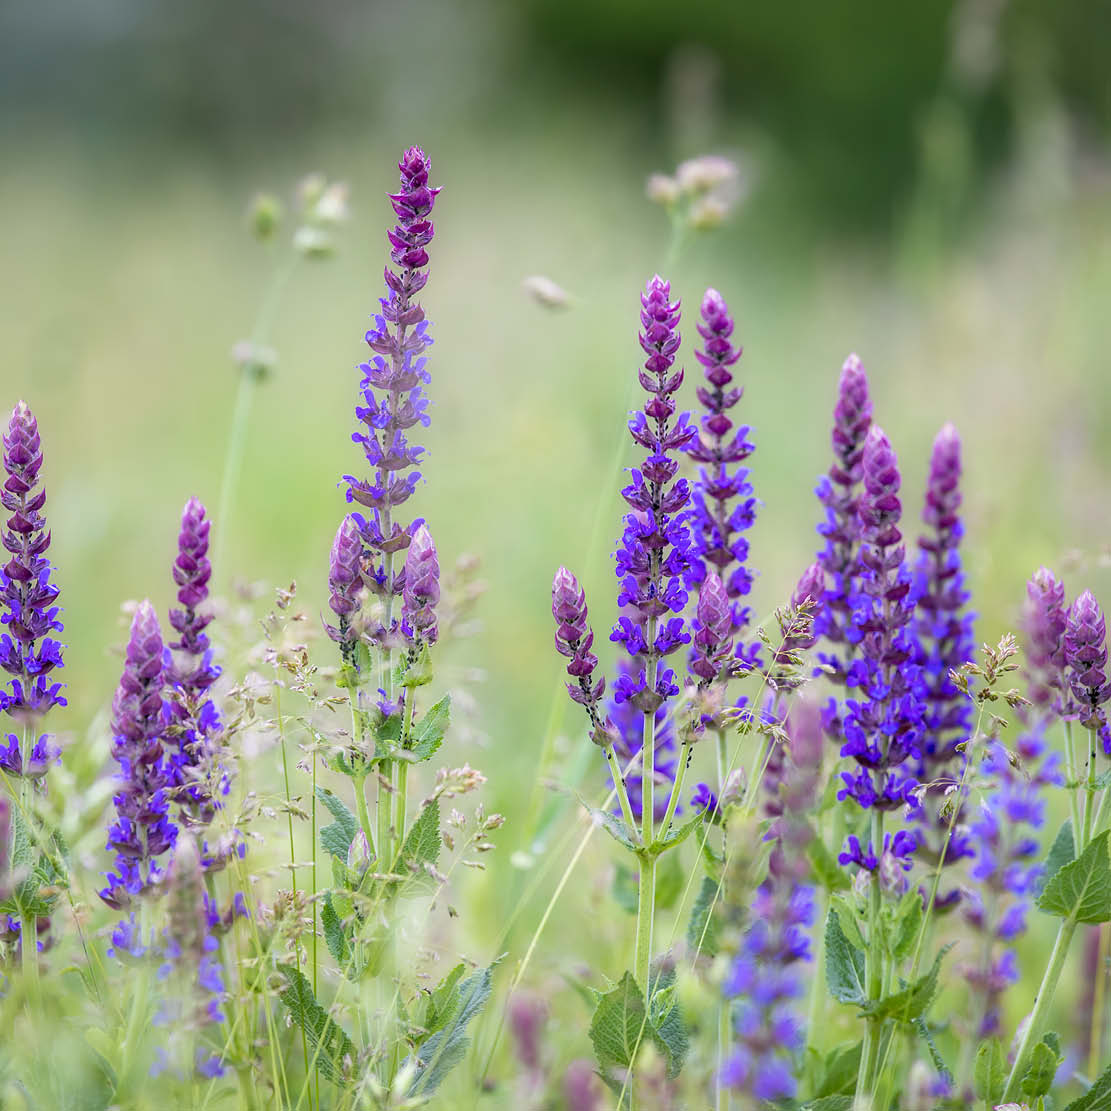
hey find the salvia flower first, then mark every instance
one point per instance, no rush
(28, 653)
(625, 729)
(422, 588)
(1085, 644)
(345, 582)
(943, 637)
(197, 775)
(575, 639)
(1007, 866)
(723, 508)
(652, 555)
(393, 400)
(839, 491)
(1044, 617)
(713, 636)
(882, 727)
(142, 832)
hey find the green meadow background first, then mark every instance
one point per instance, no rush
(926, 186)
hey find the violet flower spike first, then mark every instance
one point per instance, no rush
(1085, 644)
(393, 398)
(882, 728)
(575, 639)
(422, 588)
(839, 492)
(142, 832)
(1044, 617)
(723, 508)
(28, 653)
(810, 590)
(713, 640)
(197, 776)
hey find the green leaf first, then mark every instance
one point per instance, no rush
(824, 866)
(336, 838)
(416, 673)
(626, 892)
(676, 835)
(422, 844)
(1039, 1077)
(671, 881)
(925, 1034)
(849, 916)
(907, 924)
(990, 1073)
(913, 1000)
(1062, 852)
(333, 1050)
(844, 965)
(839, 1071)
(428, 733)
(668, 1028)
(441, 1052)
(619, 1025)
(613, 824)
(333, 932)
(441, 1002)
(1097, 1097)
(1081, 891)
(702, 930)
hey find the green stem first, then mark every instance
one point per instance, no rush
(385, 809)
(873, 970)
(1040, 1012)
(646, 909)
(676, 789)
(248, 380)
(622, 790)
(646, 901)
(402, 799)
(28, 923)
(1073, 773)
(1089, 793)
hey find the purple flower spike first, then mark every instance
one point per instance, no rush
(422, 587)
(839, 492)
(1044, 618)
(810, 589)
(143, 831)
(713, 640)
(574, 639)
(28, 653)
(196, 774)
(393, 400)
(882, 728)
(1085, 644)
(722, 505)
(345, 582)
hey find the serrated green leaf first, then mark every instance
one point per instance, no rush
(1081, 891)
(444, 1049)
(824, 866)
(441, 1003)
(924, 1033)
(849, 918)
(333, 932)
(336, 838)
(668, 1028)
(676, 835)
(613, 824)
(1062, 852)
(1039, 1077)
(844, 965)
(619, 1025)
(911, 1001)
(990, 1073)
(703, 930)
(428, 733)
(1097, 1097)
(332, 1049)
(839, 1071)
(422, 844)
(416, 673)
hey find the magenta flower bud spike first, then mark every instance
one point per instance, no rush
(28, 653)
(345, 581)
(143, 832)
(1086, 657)
(422, 587)
(574, 639)
(713, 639)
(1044, 617)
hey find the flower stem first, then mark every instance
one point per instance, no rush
(1089, 794)
(621, 789)
(646, 911)
(1041, 1008)
(873, 970)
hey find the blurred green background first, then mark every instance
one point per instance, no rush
(926, 185)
